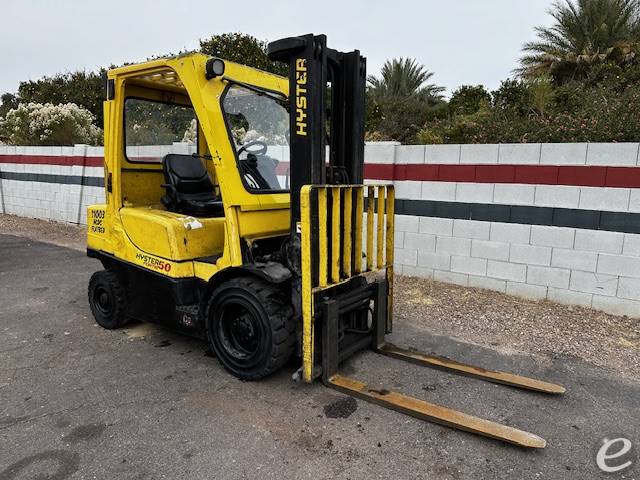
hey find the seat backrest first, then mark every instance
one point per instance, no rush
(187, 174)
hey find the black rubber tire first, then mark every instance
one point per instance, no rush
(268, 311)
(107, 299)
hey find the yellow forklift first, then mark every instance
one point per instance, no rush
(236, 211)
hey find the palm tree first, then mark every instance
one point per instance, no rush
(404, 78)
(585, 33)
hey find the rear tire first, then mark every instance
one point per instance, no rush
(250, 327)
(107, 299)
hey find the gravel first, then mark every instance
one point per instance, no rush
(63, 234)
(515, 325)
(508, 324)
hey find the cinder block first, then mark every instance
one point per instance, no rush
(469, 265)
(474, 192)
(611, 199)
(530, 255)
(631, 244)
(420, 241)
(471, 229)
(574, 259)
(408, 189)
(441, 191)
(7, 150)
(514, 194)
(450, 277)
(409, 154)
(95, 151)
(405, 256)
(436, 226)
(619, 265)
(598, 241)
(569, 297)
(479, 153)
(407, 223)
(634, 201)
(629, 288)
(510, 232)
(434, 261)
(597, 283)
(507, 271)
(620, 154)
(558, 196)
(453, 246)
(617, 306)
(552, 236)
(490, 250)
(398, 239)
(380, 153)
(442, 154)
(488, 283)
(418, 272)
(524, 290)
(519, 153)
(548, 276)
(563, 154)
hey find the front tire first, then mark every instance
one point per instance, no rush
(250, 327)
(107, 299)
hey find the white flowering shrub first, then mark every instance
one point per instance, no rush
(48, 124)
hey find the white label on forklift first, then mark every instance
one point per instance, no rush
(191, 223)
(298, 227)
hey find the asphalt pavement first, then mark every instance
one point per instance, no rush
(80, 402)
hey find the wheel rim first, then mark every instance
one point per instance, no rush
(102, 300)
(240, 331)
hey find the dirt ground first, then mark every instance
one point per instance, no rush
(515, 325)
(508, 324)
(63, 234)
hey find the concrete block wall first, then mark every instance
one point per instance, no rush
(543, 221)
(51, 182)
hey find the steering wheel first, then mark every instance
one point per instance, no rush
(259, 151)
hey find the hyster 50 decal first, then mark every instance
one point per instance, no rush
(153, 262)
(301, 97)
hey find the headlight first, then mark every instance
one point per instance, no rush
(214, 68)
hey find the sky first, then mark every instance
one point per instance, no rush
(465, 42)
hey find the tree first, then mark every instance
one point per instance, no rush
(9, 101)
(404, 78)
(48, 124)
(585, 33)
(81, 88)
(468, 99)
(244, 49)
(400, 101)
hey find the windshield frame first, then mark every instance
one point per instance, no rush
(232, 143)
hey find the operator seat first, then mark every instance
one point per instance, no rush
(189, 187)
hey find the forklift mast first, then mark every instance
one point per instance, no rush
(326, 102)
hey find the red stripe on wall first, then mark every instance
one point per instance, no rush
(585, 176)
(622, 177)
(581, 176)
(578, 175)
(53, 160)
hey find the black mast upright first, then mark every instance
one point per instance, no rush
(313, 121)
